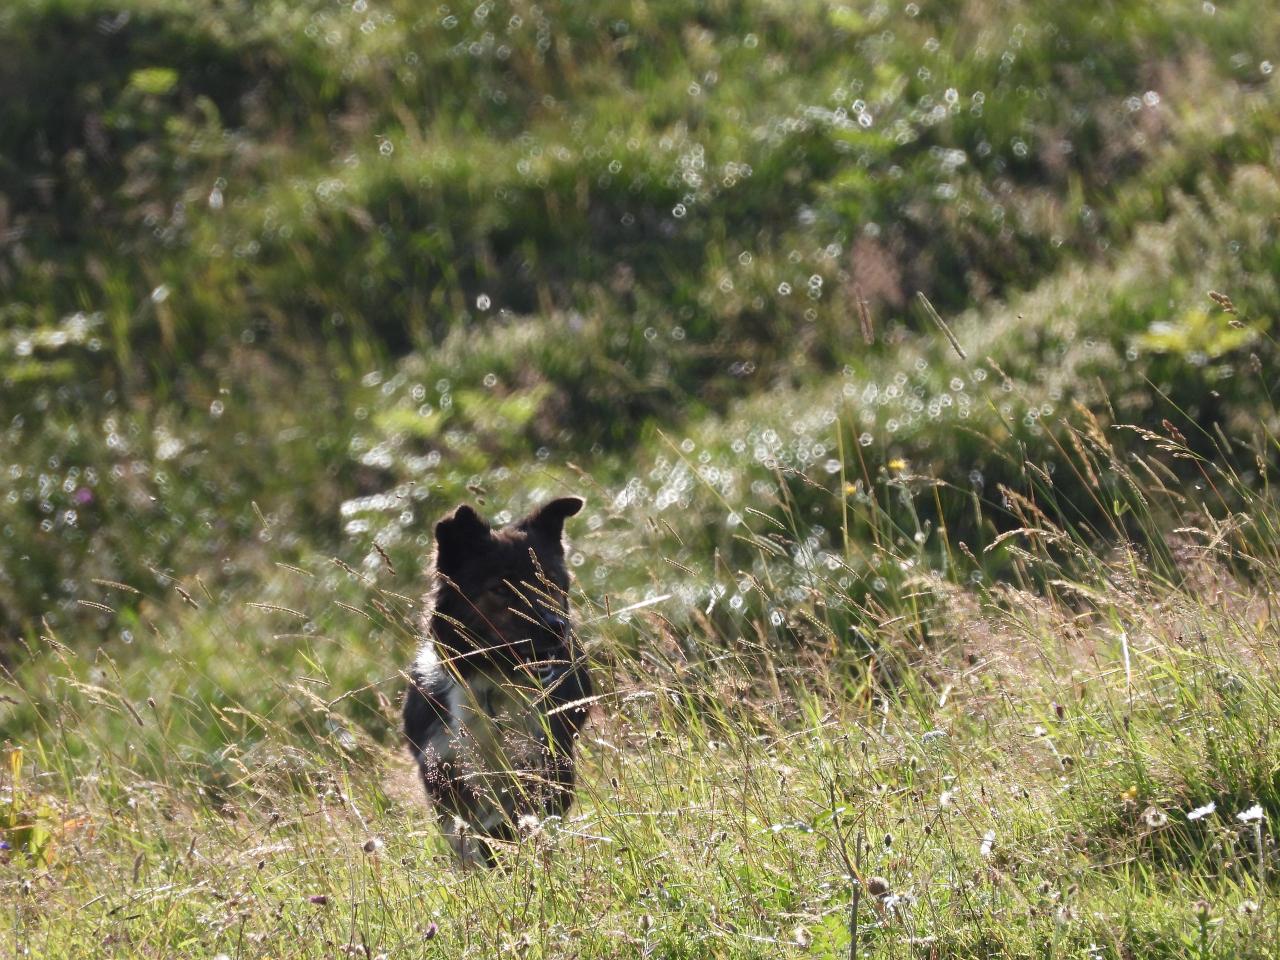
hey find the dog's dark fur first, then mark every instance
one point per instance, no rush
(499, 690)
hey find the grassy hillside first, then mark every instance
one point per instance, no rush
(916, 362)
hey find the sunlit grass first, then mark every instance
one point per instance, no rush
(1080, 758)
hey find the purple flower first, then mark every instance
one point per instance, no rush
(83, 496)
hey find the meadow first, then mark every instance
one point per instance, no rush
(916, 363)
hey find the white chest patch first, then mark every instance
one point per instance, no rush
(495, 740)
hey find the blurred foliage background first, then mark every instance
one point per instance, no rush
(282, 281)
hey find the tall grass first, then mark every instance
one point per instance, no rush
(1077, 758)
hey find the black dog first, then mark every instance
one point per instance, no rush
(499, 690)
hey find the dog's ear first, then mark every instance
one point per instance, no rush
(458, 536)
(549, 520)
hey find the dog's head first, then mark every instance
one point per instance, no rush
(503, 593)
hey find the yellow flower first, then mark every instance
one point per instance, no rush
(897, 463)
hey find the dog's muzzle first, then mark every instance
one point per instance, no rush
(554, 663)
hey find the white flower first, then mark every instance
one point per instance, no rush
(1252, 815)
(1204, 811)
(898, 902)
(988, 841)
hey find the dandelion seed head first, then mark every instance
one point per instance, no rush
(528, 825)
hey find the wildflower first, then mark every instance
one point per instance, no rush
(877, 886)
(319, 899)
(1248, 907)
(1253, 815)
(1154, 817)
(372, 845)
(430, 932)
(1200, 812)
(802, 937)
(898, 464)
(988, 842)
